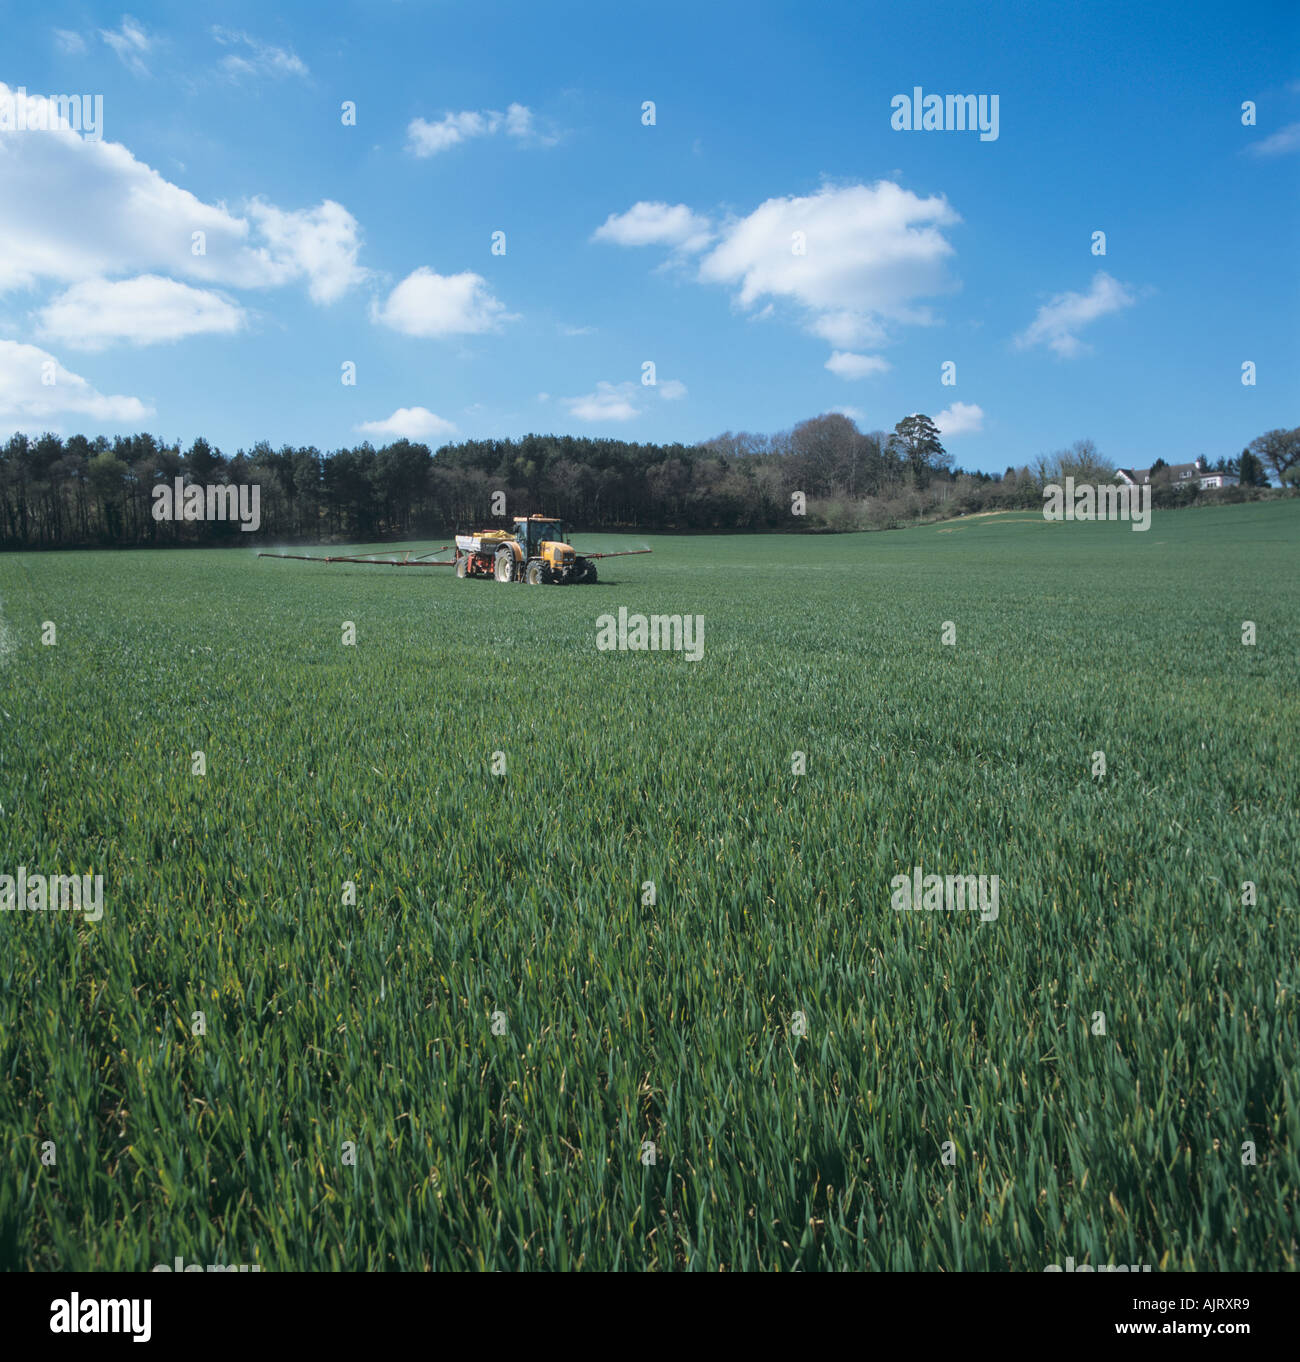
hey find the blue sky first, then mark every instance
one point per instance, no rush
(672, 243)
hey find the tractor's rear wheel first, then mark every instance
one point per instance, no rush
(505, 565)
(534, 573)
(462, 567)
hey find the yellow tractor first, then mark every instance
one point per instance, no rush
(536, 553)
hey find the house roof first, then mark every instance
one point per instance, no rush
(1178, 472)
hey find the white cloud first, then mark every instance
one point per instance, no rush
(429, 304)
(1061, 317)
(610, 402)
(424, 138)
(576, 330)
(130, 42)
(27, 396)
(76, 209)
(853, 413)
(59, 183)
(256, 58)
(1279, 143)
(520, 122)
(320, 244)
(848, 365)
(427, 139)
(143, 311)
(962, 418)
(846, 329)
(69, 43)
(618, 401)
(656, 224)
(868, 253)
(409, 423)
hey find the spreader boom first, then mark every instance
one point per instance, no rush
(420, 560)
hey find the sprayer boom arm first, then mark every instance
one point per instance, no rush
(369, 559)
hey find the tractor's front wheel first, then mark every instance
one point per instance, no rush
(587, 575)
(505, 565)
(534, 573)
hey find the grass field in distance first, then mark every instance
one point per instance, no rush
(501, 1026)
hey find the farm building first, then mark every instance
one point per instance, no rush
(1179, 473)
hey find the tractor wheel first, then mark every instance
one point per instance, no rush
(535, 573)
(462, 567)
(505, 567)
(588, 574)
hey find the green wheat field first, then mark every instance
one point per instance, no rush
(509, 1053)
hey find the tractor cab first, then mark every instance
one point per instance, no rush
(546, 557)
(534, 531)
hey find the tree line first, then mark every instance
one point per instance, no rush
(822, 474)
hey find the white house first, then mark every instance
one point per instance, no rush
(1179, 475)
